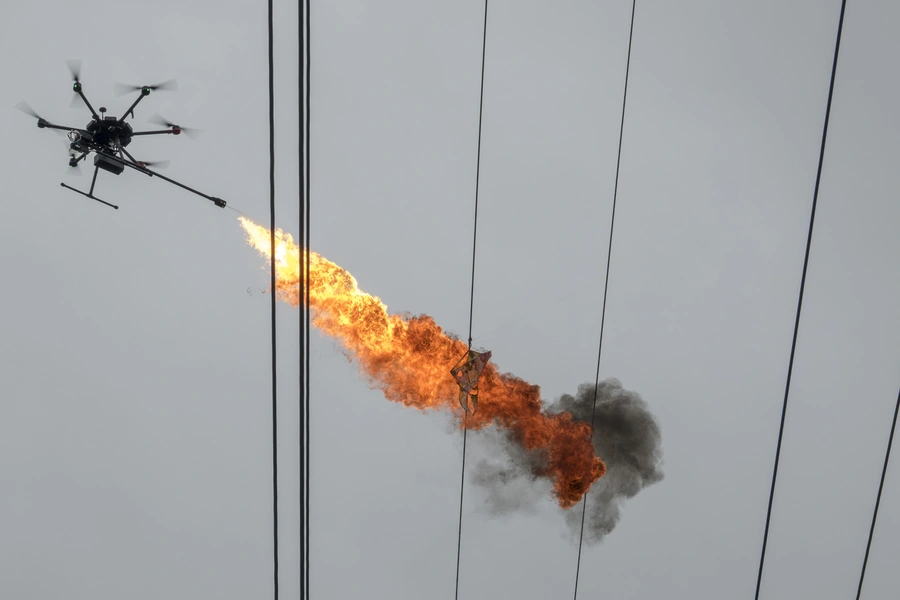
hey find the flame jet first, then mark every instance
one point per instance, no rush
(407, 358)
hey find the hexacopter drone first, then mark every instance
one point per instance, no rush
(107, 137)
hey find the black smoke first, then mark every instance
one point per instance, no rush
(626, 437)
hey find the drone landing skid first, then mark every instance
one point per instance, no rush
(90, 194)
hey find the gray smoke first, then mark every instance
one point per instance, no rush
(626, 437)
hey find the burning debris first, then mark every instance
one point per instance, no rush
(466, 372)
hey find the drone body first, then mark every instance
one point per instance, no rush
(107, 137)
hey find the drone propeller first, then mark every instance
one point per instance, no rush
(159, 164)
(188, 131)
(26, 108)
(75, 69)
(166, 86)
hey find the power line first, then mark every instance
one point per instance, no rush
(272, 282)
(303, 27)
(887, 458)
(812, 219)
(308, 242)
(478, 170)
(462, 486)
(612, 223)
(306, 266)
(462, 482)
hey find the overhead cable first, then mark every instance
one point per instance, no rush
(812, 220)
(612, 223)
(887, 458)
(472, 291)
(303, 228)
(273, 296)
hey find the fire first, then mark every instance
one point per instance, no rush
(409, 358)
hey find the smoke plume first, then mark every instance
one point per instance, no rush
(625, 434)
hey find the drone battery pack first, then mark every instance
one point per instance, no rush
(108, 163)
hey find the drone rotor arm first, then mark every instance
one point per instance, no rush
(133, 104)
(172, 131)
(42, 123)
(78, 90)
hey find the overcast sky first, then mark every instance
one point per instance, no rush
(135, 416)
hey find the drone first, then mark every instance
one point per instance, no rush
(106, 137)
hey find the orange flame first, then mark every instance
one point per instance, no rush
(409, 358)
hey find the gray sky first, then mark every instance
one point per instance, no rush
(135, 425)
